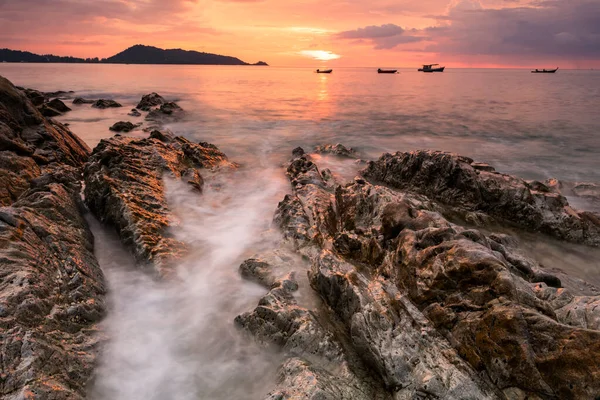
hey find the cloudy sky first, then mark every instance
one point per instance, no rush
(386, 33)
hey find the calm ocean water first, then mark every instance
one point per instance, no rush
(176, 339)
(533, 125)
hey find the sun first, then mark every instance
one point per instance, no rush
(321, 55)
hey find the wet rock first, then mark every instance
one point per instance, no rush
(103, 103)
(149, 101)
(122, 126)
(299, 379)
(134, 113)
(52, 293)
(124, 188)
(81, 100)
(336, 149)
(453, 180)
(317, 366)
(437, 309)
(166, 112)
(58, 105)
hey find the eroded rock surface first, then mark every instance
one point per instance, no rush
(124, 187)
(316, 366)
(52, 290)
(464, 185)
(439, 310)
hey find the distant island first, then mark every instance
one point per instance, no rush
(138, 54)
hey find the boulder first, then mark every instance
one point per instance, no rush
(58, 105)
(102, 103)
(435, 308)
(124, 188)
(134, 113)
(454, 181)
(52, 295)
(149, 101)
(122, 126)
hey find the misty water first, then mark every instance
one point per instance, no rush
(177, 339)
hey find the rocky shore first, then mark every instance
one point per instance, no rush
(421, 293)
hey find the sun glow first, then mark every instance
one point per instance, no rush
(321, 55)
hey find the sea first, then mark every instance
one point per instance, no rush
(177, 339)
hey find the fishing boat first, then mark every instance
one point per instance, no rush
(323, 71)
(431, 68)
(386, 71)
(544, 71)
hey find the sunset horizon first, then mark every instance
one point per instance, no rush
(457, 33)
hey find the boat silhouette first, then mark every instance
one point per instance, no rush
(544, 71)
(431, 68)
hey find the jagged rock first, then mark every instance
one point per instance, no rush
(317, 365)
(58, 105)
(124, 188)
(52, 292)
(454, 181)
(336, 149)
(134, 113)
(301, 380)
(428, 302)
(123, 126)
(29, 143)
(150, 100)
(103, 103)
(81, 100)
(167, 111)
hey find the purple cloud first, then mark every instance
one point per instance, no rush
(385, 36)
(564, 29)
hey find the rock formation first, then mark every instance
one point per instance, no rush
(124, 187)
(52, 291)
(468, 187)
(436, 309)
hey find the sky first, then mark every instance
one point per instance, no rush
(350, 33)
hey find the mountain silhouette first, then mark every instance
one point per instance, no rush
(138, 54)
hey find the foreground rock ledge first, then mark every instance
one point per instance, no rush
(436, 309)
(124, 188)
(52, 291)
